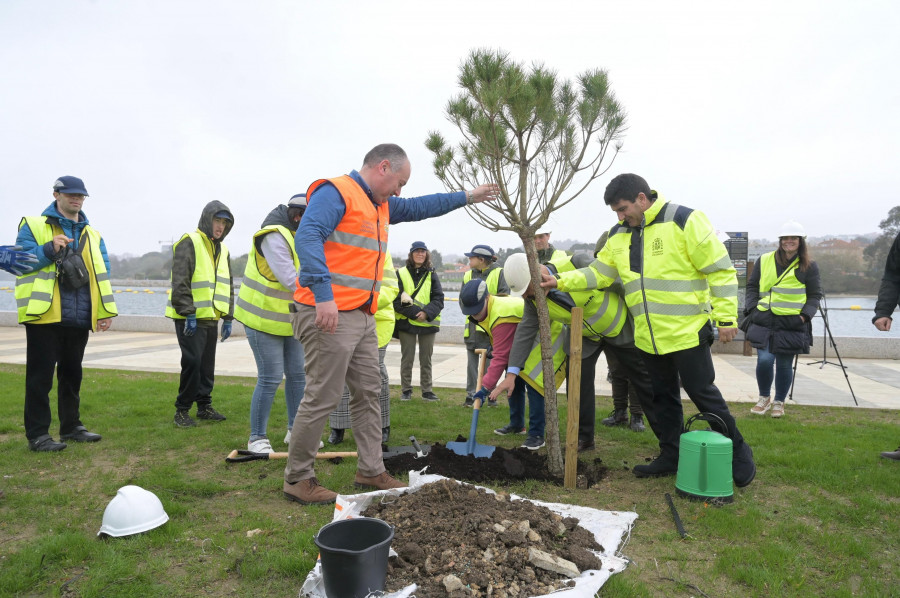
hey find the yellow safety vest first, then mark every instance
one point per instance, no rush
(422, 298)
(210, 282)
(676, 272)
(37, 295)
(503, 310)
(784, 295)
(603, 311)
(493, 284)
(384, 316)
(533, 371)
(263, 303)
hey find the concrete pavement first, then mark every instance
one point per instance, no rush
(876, 382)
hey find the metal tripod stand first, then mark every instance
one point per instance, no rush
(826, 338)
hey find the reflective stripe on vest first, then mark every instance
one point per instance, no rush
(37, 297)
(533, 371)
(784, 295)
(210, 282)
(263, 303)
(355, 251)
(421, 299)
(604, 313)
(493, 284)
(384, 316)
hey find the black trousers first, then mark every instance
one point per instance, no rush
(198, 365)
(632, 366)
(53, 347)
(695, 369)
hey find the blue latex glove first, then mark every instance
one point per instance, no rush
(190, 325)
(226, 330)
(15, 261)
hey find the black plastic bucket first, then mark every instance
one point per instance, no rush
(354, 555)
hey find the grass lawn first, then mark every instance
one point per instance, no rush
(822, 517)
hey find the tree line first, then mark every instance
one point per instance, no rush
(843, 270)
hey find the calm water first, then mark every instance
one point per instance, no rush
(842, 320)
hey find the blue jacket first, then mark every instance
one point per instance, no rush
(75, 306)
(323, 215)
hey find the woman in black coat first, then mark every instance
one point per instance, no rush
(783, 295)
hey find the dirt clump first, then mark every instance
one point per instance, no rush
(504, 466)
(460, 541)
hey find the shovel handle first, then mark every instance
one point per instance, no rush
(482, 358)
(470, 445)
(242, 456)
(416, 446)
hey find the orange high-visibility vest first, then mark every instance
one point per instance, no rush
(355, 251)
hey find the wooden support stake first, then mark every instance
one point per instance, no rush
(573, 386)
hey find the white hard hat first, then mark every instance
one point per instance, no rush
(133, 510)
(792, 228)
(517, 274)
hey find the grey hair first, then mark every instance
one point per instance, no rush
(391, 152)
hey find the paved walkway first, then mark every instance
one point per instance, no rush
(875, 382)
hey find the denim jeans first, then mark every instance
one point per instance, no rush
(783, 365)
(276, 357)
(536, 420)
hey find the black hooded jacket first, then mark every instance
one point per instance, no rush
(184, 262)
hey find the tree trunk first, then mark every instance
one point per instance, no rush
(555, 463)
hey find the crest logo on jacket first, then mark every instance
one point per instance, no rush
(656, 248)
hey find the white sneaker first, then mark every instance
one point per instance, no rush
(763, 405)
(287, 440)
(778, 409)
(260, 446)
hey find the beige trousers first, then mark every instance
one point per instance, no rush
(349, 356)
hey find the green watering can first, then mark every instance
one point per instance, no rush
(704, 462)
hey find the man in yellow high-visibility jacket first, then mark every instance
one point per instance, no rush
(679, 282)
(60, 310)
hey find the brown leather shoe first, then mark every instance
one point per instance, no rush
(382, 481)
(309, 492)
(586, 445)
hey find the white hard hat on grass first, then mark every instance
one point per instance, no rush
(133, 510)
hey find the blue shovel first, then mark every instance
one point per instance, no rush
(470, 447)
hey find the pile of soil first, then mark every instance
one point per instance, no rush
(503, 467)
(461, 542)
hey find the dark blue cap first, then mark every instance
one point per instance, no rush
(69, 184)
(418, 245)
(485, 251)
(297, 201)
(224, 214)
(472, 297)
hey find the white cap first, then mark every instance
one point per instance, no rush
(297, 201)
(792, 228)
(517, 274)
(543, 231)
(131, 511)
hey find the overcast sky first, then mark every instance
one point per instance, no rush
(755, 113)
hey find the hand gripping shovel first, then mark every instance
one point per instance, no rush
(471, 447)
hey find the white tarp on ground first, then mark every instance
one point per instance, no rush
(608, 527)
